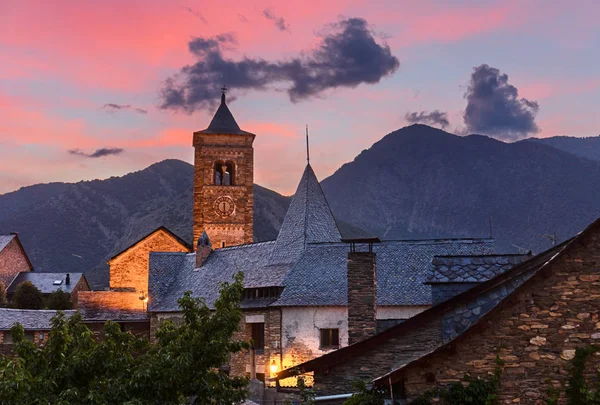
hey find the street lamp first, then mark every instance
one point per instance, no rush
(144, 298)
(273, 367)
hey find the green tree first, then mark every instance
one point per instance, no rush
(181, 367)
(28, 296)
(2, 294)
(59, 300)
(364, 396)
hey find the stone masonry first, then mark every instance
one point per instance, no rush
(535, 333)
(129, 270)
(13, 260)
(362, 296)
(237, 227)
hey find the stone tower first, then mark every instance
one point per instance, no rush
(224, 181)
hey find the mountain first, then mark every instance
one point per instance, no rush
(423, 182)
(588, 148)
(78, 227)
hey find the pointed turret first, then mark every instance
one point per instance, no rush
(203, 249)
(223, 122)
(308, 220)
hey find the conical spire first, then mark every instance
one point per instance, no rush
(308, 220)
(223, 121)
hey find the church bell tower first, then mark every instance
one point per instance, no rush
(224, 181)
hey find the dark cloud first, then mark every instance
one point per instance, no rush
(112, 107)
(347, 56)
(97, 153)
(196, 14)
(494, 107)
(278, 21)
(435, 117)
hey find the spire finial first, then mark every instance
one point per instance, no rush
(307, 149)
(223, 90)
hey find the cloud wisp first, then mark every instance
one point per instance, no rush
(435, 117)
(98, 153)
(112, 107)
(494, 107)
(347, 56)
(196, 14)
(279, 22)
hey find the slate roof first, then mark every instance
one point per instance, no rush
(5, 240)
(471, 268)
(223, 122)
(45, 281)
(307, 259)
(308, 220)
(31, 319)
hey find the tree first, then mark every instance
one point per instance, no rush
(364, 396)
(28, 296)
(2, 294)
(181, 367)
(59, 300)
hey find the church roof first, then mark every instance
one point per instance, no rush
(223, 122)
(308, 220)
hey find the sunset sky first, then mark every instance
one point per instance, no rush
(93, 89)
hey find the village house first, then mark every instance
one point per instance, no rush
(13, 258)
(298, 287)
(533, 316)
(48, 283)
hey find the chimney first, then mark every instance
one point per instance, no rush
(68, 279)
(362, 290)
(203, 249)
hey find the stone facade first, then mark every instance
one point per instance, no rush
(362, 296)
(535, 333)
(111, 300)
(13, 260)
(226, 213)
(129, 269)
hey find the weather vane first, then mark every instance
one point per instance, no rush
(224, 89)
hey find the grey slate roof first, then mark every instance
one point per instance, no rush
(5, 240)
(471, 268)
(31, 319)
(223, 122)
(308, 220)
(307, 259)
(45, 281)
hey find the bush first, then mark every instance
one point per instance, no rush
(60, 300)
(28, 296)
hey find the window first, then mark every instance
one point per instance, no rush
(223, 172)
(258, 336)
(330, 338)
(8, 340)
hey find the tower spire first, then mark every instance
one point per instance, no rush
(307, 149)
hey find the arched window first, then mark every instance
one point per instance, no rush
(224, 174)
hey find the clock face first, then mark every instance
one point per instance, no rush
(224, 206)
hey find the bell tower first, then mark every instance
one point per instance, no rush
(224, 181)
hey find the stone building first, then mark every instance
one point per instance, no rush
(296, 296)
(129, 268)
(48, 283)
(533, 315)
(13, 258)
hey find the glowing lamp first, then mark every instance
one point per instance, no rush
(273, 367)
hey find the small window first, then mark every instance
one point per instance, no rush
(7, 338)
(330, 338)
(258, 336)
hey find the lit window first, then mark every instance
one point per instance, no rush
(330, 338)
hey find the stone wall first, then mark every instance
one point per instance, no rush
(362, 296)
(80, 286)
(129, 270)
(12, 261)
(238, 227)
(110, 300)
(535, 333)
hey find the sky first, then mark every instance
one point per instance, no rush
(94, 89)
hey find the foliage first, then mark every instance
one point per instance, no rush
(363, 396)
(306, 396)
(28, 296)
(578, 392)
(181, 367)
(2, 294)
(473, 391)
(59, 300)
